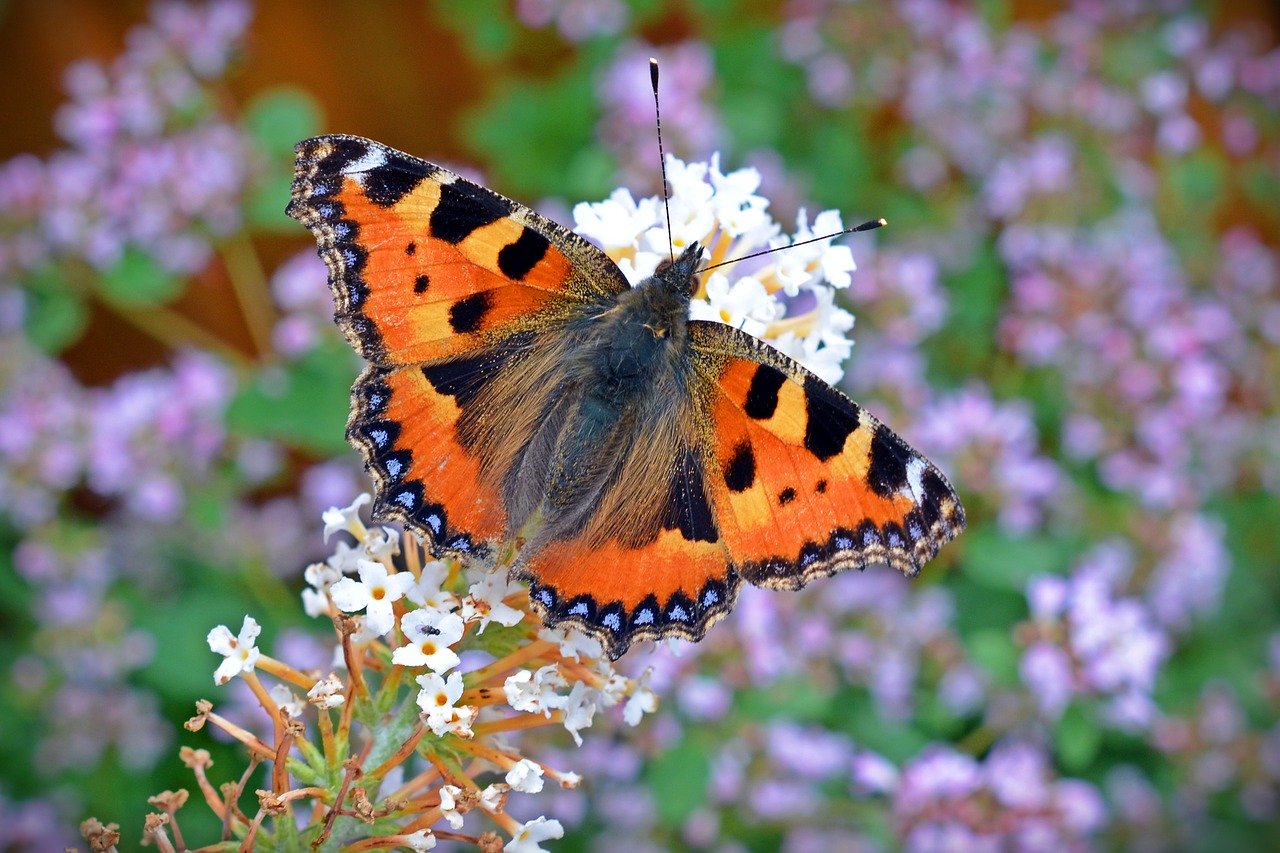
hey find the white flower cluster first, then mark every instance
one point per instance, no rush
(419, 617)
(787, 298)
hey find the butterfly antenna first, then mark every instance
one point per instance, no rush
(866, 226)
(662, 158)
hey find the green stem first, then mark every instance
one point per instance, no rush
(387, 738)
(252, 291)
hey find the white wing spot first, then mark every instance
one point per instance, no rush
(611, 621)
(678, 613)
(579, 609)
(434, 521)
(915, 474)
(379, 437)
(372, 159)
(405, 499)
(394, 468)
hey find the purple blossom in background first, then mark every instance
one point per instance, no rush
(1093, 641)
(946, 800)
(150, 164)
(575, 20)
(688, 121)
(300, 288)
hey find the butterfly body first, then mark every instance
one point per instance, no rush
(520, 390)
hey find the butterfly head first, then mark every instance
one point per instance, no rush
(678, 276)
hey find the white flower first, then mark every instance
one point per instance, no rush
(618, 221)
(419, 841)
(494, 796)
(485, 601)
(525, 776)
(381, 545)
(726, 215)
(437, 700)
(535, 692)
(314, 603)
(570, 780)
(373, 593)
(347, 518)
(573, 643)
(643, 700)
(449, 805)
(429, 636)
(735, 204)
(745, 304)
(579, 710)
(343, 560)
(328, 692)
(287, 700)
(529, 834)
(241, 653)
(429, 591)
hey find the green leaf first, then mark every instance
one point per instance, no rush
(534, 135)
(138, 279)
(279, 118)
(54, 315)
(679, 779)
(800, 700)
(996, 560)
(994, 651)
(967, 345)
(303, 404)
(892, 739)
(265, 204)
(1197, 182)
(1076, 740)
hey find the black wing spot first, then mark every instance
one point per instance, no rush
(820, 487)
(762, 396)
(516, 259)
(687, 505)
(411, 248)
(465, 315)
(786, 496)
(740, 473)
(386, 185)
(420, 283)
(463, 208)
(341, 152)
(887, 472)
(829, 419)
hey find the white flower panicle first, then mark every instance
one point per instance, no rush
(418, 630)
(786, 298)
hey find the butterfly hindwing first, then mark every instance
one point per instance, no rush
(804, 481)
(425, 264)
(647, 562)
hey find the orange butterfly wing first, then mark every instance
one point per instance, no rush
(805, 482)
(439, 284)
(425, 264)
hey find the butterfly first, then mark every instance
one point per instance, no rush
(520, 390)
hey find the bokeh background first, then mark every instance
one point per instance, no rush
(1076, 311)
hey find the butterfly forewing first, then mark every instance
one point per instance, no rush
(425, 264)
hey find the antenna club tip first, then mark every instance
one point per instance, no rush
(653, 73)
(881, 222)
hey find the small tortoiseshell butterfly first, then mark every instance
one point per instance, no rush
(519, 390)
